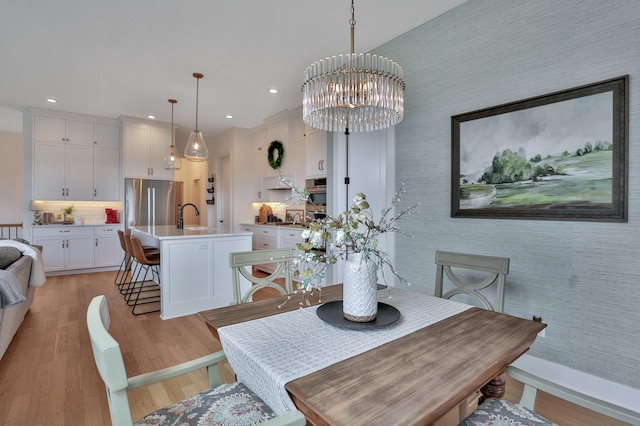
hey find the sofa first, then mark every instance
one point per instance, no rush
(21, 271)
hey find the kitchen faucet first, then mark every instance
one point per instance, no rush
(181, 223)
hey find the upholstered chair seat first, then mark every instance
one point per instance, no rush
(227, 404)
(498, 412)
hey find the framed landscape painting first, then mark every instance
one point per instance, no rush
(560, 156)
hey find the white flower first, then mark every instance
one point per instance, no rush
(353, 231)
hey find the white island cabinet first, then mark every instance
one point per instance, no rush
(194, 266)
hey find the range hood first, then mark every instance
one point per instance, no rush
(275, 182)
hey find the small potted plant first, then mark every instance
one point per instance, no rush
(67, 214)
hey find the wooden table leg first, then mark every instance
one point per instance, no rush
(494, 389)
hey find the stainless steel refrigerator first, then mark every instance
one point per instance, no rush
(151, 202)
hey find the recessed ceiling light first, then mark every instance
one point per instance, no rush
(151, 117)
(229, 116)
(273, 91)
(51, 100)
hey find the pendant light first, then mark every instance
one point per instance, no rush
(196, 149)
(171, 160)
(355, 91)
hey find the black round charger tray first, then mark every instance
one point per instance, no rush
(331, 312)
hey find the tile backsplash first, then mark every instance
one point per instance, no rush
(90, 212)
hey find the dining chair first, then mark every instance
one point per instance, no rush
(242, 264)
(229, 404)
(470, 273)
(458, 266)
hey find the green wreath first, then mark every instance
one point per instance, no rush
(275, 163)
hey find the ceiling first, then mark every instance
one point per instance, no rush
(128, 57)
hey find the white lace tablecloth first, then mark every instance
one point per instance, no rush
(269, 352)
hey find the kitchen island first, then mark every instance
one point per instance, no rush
(194, 265)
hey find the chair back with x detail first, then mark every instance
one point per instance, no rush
(243, 264)
(496, 269)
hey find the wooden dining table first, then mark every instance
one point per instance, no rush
(412, 380)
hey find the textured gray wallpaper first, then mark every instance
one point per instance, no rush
(583, 278)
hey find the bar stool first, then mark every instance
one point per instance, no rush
(125, 266)
(123, 277)
(147, 262)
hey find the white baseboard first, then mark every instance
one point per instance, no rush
(588, 384)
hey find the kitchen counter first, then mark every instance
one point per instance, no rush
(163, 232)
(194, 265)
(279, 225)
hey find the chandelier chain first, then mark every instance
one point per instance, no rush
(352, 24)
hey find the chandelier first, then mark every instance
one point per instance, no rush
(171, 160)
(353, 92)
(196, 148)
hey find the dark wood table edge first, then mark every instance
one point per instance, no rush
(486, 383)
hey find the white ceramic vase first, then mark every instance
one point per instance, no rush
(360, 289)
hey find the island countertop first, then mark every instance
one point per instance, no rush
(164, 232)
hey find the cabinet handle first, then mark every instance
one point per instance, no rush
(151, 171)
(95, 142)
(63, 192)
(319, 168)
(96, 242)
(62, 243)
(323, 165)
(95, 192)
(265, 232)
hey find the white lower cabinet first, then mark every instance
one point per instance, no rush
(67, 248)
(108, 250)
(266, 237)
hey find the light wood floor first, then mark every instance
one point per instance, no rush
(48, 376)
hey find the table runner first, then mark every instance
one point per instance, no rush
(269, 352)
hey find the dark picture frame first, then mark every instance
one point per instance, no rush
(559, 156)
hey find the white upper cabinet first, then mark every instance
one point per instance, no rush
(279, 131)
(145, 145)
(58, 130)
(65, 159)
(316, 154)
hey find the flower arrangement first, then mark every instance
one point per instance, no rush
(353, 231)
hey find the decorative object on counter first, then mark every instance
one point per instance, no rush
(212, 179)
(263, 213)
(353, 92)
(196, 148)
(111, 215)
(294, 216)
(275, 162)
(36, 206)
(353, 236)
(171, 160)
(68, 218)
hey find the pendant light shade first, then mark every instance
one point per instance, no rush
(196, 149)
(353, 92)
(171, 160)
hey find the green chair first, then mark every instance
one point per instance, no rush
(468, 274)
(226, 404)
(243, 264)
(493, 269)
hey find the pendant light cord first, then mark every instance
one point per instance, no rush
(197, 93)
(173, 145)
